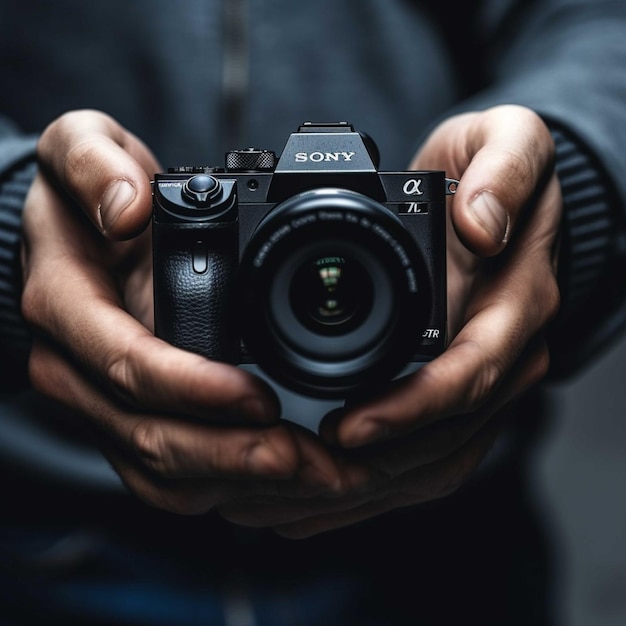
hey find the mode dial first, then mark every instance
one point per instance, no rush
(250, 160)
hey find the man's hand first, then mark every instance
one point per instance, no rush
(426, 434)
(184, 433)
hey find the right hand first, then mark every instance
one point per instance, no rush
(184, 433)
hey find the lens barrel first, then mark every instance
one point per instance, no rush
(333, 293)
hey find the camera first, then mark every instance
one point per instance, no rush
(326, 273)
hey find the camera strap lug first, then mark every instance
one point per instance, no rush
(451, 185)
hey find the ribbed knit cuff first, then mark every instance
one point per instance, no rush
(15, 338)
(592, 227)
(588, 222)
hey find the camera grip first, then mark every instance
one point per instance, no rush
(193, 292)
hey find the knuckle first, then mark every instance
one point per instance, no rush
(121, 374)
(48, 138)
(81, 158)
(76, 155)
(516, 165)
(484, 384)
(118, 374)
(540, 134)
(149, 441)
(475, 389)
(56, 131)
(535, 129)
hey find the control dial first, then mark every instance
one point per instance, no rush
(250, 160)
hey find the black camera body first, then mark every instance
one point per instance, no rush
(327, 273)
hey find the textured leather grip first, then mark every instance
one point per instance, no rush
(193, 291)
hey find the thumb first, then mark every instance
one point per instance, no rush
(503, 156)
(103, 167)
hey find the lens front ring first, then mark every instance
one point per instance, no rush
(319, 222)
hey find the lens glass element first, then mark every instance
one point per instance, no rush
(331, 295)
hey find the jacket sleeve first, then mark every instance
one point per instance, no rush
(17, 170)
(566, 60)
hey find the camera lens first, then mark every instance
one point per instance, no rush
(318, 319)
(331, 295)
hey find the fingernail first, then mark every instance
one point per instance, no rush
(119, 194)
(491, 215)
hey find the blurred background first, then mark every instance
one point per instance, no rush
(580, 479)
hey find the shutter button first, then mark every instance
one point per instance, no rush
(201, 189)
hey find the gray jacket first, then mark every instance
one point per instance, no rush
(197, 77)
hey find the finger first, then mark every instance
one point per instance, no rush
(460, 381)
(322, 467)
(425, 484)
(441, 439)
(182, 497)
(106, 169)
(505, 318)
(166, 447)
(514, 306)
(381, 492)
(148, 374)
(88, 316)
(326, 484)
(176, 449)
(502, 155)
(291, 503)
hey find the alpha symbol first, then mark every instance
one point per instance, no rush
(412, 187)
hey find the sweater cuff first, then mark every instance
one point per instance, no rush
(588, 259)
(15, 338)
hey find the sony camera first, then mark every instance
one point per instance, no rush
(323, 271)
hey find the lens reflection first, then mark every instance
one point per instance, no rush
(331, 294)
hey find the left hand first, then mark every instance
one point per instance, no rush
(424, 436)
